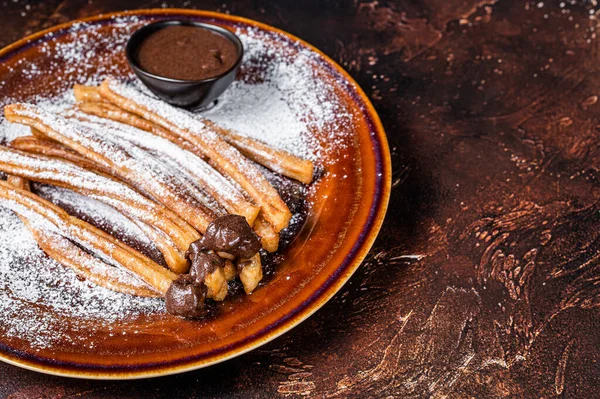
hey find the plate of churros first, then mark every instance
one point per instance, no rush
(160, 215)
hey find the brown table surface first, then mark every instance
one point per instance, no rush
(484, 281)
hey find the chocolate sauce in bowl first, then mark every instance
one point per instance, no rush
(186, 53)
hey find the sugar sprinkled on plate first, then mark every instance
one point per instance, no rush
(278, 99)
(30, 279)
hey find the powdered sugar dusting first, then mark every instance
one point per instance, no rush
(85, 54)
(104, 216)
(11, 131)
(134, 163)
(178, 159)
(30, 279)
(281, 100)
(195, 131)
(278, 99)
(180, 163)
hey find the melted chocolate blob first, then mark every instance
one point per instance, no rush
(204, 262)
(202, 258)
(185, 298)
(231, 234)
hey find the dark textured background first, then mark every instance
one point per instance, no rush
(485, 281)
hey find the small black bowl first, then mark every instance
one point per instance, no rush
(190, 94)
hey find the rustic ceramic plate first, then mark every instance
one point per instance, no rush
(347, 207)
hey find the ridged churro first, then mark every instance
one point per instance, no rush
(108, 190)
(94, 240)
(280, 161)
(85, 265)
(192, 187)
(212, 182)
(206, 143)
(131, 167)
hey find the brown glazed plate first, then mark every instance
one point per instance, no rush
(347, 207)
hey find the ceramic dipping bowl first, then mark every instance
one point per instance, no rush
(190, 94)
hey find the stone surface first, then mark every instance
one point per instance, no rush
(484, 281)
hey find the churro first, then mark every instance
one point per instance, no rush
(196, 169)
(128, 163)
(206, 143)
(198, 191)
(43, 146)
(94, 240)
(104, 188)
(251, 272)
(85, 265)
(279, 161)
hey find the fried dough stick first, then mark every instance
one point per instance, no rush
(199, 171)
(83, 264)
(279, 161)
(239, 205)
(269, 239)
(86, 93)
(269, 236)
(250, 272)
(38, 144)
(148, 176)
(174, 258)
(173, 236)
(206, 143)
(164, 241)
(100, 187)
(171, 173)
(53, 149)
(95, 240)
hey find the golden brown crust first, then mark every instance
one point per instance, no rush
(233, 202)
(90, 237)
(251, 272)
(160, 189)
(41, 145)
(228, 158)
(131, 158)
(174, 257)
(86, 93)
(269, 239)
(171, 234)
(280, 161)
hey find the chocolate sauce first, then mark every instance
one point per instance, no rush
(203, 262)
(221, 236)
(186, 53)
(186, 298)
(233, 235)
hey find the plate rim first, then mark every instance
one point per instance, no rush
(310, 308)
